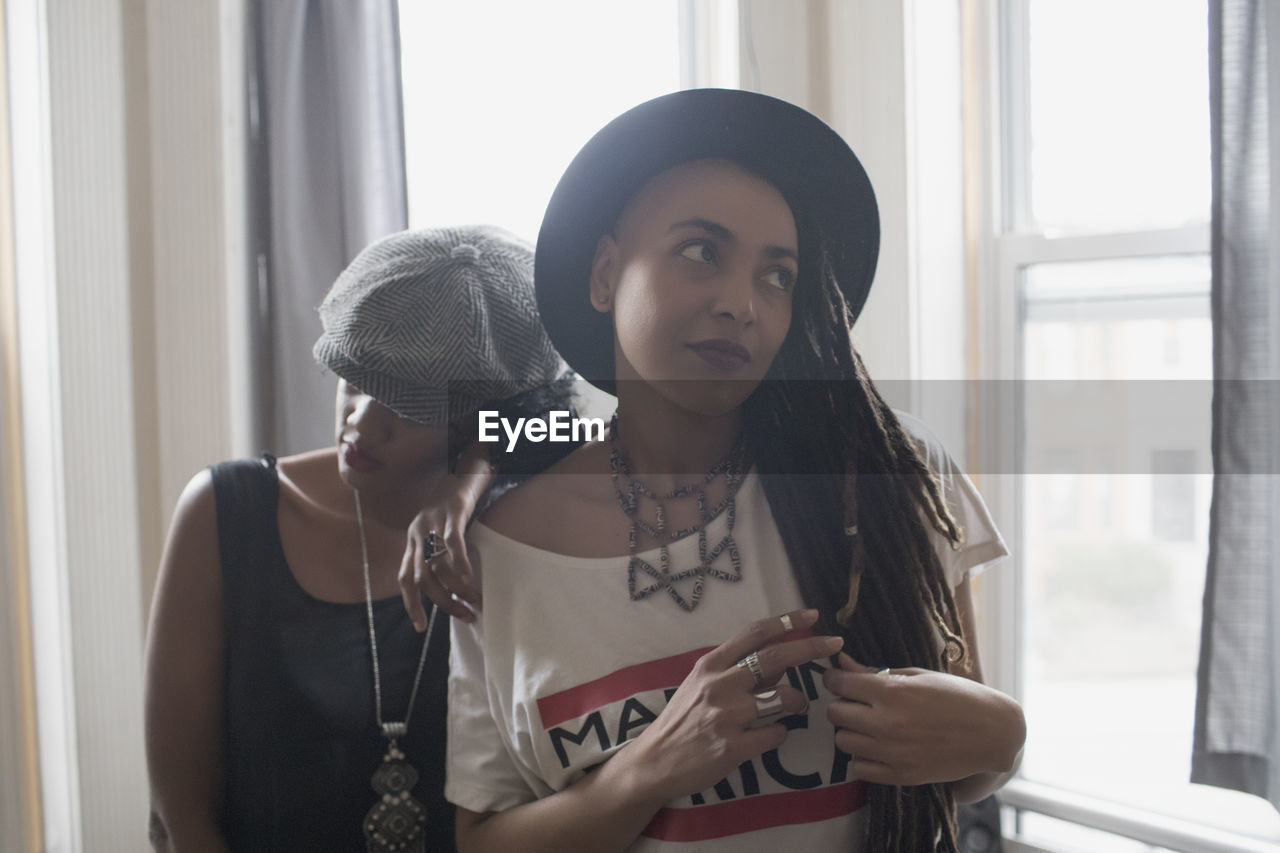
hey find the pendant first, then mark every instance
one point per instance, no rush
(396, 822)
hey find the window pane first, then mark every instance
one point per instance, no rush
(1115, 537)
(1134, 319)
(499, 96)
(1119, 118)
(1149, 279)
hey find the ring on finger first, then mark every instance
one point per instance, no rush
(751, 663)
(433, 545)
(882, 671)
(768, 704)
(787, 626)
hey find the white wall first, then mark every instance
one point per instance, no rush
(886, 76)
(125, 393)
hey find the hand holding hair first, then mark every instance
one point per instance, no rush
(915, 726)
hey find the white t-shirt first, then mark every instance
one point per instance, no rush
(561, 669)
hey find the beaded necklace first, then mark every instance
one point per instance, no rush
(630, 490)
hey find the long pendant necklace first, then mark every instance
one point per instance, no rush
(397, 821)
(731, 467)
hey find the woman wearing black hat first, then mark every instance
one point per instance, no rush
(291, 705)
(704, 257)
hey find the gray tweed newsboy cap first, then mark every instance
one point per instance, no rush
(433, 323)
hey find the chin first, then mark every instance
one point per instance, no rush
(359, 479)
(349, 478)
(712, 397)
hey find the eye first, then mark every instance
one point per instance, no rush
(781, 278)
(699, 251)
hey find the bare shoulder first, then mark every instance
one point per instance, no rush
(189, 583)
(195, 518)
(190, 565)
(551, 510)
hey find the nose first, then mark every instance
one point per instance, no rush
(371, 419)
(735, 300)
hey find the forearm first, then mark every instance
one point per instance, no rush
(702, 734)
(475, 475)
(604, 811)
(1005, 752)
(1010, 726)
(979, 786)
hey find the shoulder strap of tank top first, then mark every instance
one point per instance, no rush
(247, 494)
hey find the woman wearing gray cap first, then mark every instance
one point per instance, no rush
(291, 704)
(742, 621)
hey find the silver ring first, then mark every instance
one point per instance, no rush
(751, 663)
(434, 547)
(768, 704)
(882, 671)
(786, 623)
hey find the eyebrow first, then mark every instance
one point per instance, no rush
(715, 229)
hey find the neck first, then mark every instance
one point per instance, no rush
(395, 508)
(668, 446)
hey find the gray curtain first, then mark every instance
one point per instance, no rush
(329, 179)
(1237, 727)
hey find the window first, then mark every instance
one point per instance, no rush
(1102, 264)
(1173, 495)
(509, 90)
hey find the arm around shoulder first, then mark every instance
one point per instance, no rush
(184, 678)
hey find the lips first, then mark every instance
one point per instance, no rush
(722, 355)
(357, 459)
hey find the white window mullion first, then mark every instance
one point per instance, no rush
(1019, 250)
(1013, 23)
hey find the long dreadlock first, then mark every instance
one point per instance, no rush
(853, 501)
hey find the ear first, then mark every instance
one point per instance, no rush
(604, 274)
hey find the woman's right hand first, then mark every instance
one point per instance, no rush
(709, 726)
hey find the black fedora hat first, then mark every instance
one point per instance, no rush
(809, 163)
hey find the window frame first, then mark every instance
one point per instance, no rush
(999, 47)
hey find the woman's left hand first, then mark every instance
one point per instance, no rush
(446, 574)
(435, 563)
(915, 726)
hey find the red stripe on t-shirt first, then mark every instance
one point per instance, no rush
(621, 684)
(624, 683)
(760, 812)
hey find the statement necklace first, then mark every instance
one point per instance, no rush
(629, 491)
(397, 821)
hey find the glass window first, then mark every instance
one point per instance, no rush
(499, 96)
(1107, 187)
(1119, 114)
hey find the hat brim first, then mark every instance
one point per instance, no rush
(810, 164)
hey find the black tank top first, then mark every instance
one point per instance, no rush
(301, 741)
